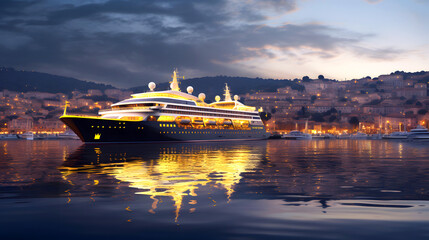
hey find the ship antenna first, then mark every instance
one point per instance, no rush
(227, 93)
(175, 84)
(65, 107)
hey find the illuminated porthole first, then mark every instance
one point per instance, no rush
(92, 126)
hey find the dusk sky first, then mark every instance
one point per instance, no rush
(129, 43)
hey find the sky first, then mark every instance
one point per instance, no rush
(132, 42)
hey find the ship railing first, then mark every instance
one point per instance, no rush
(125, 108)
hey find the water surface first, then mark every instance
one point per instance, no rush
(277, 189)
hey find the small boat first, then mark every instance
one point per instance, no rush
(323, 136)
(318, 136)
(376, 136)
(297, 135)
(420, 133)
(344, 136)
(275, 135)
(8, 136)
(68, 135)
(359, 135)
(27, 136)
(396, 135)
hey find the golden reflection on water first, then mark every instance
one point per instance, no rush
(176, 172)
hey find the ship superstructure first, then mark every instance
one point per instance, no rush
(170, 115)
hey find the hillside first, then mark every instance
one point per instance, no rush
(213, 86)
(25, 81)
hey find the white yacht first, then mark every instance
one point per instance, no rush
(27, 136)
(297, 135)
(420, 133)
(396, 135)
(359, 135)
(8, 136)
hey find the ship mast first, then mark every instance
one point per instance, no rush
(65, 107)
(175, 84)
(227, 94)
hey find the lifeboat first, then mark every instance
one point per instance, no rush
(185, 121)
(227, 122)
(210, 122)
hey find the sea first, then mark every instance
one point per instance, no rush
(272, 189)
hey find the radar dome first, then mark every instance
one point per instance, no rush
(236, 97)
(190, 89)
(202, 96)
(151, 86)
(217, 98)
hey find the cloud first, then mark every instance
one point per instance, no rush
(373, 1)
(131, 42)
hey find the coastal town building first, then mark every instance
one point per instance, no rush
(368, 104)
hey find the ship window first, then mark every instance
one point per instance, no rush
(152, 118)
(92, 126)
(166, 100)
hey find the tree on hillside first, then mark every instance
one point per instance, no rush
(265, 116)
(321, 77)
(332, 118)
(303, 113)
(343, 99)
(422, 111)
(332, 110)
(306, 79)
(317, 117)
(354, 121)
(273, 110)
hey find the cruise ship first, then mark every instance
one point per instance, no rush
(170, 115)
